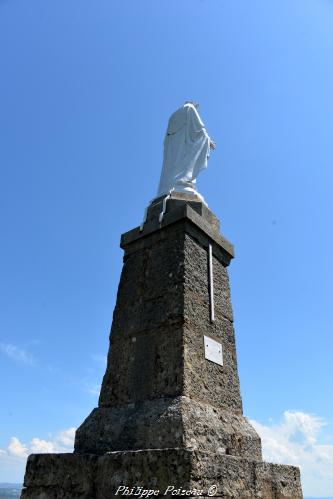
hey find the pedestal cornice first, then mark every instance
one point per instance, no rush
(196, 224)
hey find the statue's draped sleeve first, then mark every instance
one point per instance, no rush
(198, 142)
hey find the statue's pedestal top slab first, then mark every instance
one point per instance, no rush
(176, 208)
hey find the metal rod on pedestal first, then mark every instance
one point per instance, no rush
(211, 282)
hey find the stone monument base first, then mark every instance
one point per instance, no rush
(169, 420)
(164, 471)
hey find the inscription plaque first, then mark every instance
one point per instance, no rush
(213, 350)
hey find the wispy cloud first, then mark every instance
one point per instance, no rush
(17, 354)
(295, 440)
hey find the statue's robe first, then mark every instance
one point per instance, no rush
(186, 151)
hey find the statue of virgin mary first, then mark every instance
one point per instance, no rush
(186, 151)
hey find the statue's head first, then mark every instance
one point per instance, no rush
(195, 104)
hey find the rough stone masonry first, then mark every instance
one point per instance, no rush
(167, 416)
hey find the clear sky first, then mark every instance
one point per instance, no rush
(86, 90)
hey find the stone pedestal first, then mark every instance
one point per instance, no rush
(167, 416)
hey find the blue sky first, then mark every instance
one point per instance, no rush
(86, 91)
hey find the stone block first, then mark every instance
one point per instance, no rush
(59, 476)
(178, 422)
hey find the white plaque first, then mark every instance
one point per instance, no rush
(213, 351)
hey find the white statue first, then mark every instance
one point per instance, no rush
(186, 151)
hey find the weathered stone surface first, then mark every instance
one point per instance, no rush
(176, 201)
(72, 476)
(157, 351)
(149, 424)
(161, 316)
(65, 476)
(178, 422)
(167, 415)
(207, 428)
(140, 367)
(194, 223)
(204, 380)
